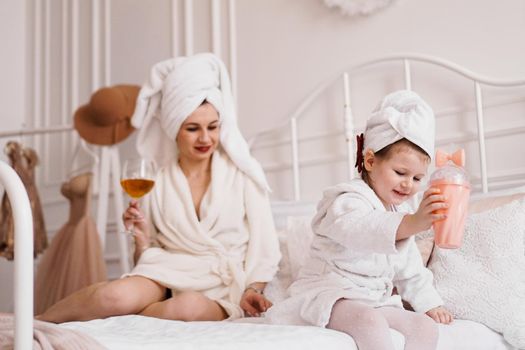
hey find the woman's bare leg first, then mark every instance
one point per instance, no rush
(420, 331)
(366, 325)
(186, 306)
(124, 296)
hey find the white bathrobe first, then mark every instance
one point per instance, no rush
(354, 255)
(232, 245)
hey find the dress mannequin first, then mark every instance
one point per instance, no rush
(23, 161)
(74, 259)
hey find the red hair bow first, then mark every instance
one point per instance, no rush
(359, 161)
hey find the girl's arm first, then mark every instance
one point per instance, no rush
(425, 215)
(353, 222)
(414, 282)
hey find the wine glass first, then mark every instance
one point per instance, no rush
(137, 178)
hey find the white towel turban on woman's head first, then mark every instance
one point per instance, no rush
(401, 114)
(176, 88)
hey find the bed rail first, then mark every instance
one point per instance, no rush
(478, 81)
(23, 271)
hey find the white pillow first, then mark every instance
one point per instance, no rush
(484, 280)
(292, 220)
(294, 242)
(282, 210)
(276, 289)
(299, 237)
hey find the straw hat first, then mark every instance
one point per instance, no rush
(105, 120)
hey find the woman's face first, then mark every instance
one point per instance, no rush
(198, 136)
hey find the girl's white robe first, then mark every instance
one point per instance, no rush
(354, 255)
(232, 245)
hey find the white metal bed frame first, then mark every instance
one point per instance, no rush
(23, 259)
(349, 125)
(23, 286)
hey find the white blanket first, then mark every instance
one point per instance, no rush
(47, 336)
(232, 245)
(145, 333)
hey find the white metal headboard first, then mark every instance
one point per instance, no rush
(23, 286)
(478, 81)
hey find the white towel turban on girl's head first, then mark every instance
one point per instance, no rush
(176, 88)
(401, 114)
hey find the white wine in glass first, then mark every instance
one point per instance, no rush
(137, 179)
(137, 188)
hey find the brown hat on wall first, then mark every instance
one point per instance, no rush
(106, 119)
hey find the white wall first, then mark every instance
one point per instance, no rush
(286, 47)
(280, 50)
(12, 99)
(12, 63)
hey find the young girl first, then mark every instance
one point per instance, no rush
(363, 243)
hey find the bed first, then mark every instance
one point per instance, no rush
(336, 110)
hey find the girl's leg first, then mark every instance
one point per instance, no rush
(124, 296)
(186, 306)
(420, 331)
(366, 325)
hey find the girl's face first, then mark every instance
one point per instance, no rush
(198, 136)
(397, 177)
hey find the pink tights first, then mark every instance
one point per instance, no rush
(369, 327)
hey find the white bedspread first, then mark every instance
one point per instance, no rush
(143, 333)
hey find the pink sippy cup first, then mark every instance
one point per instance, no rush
(452, 181)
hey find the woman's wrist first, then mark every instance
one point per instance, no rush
(142, 248)
(141, 244)
(256, 287)
(256, 290)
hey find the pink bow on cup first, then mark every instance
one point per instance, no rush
(457, 157)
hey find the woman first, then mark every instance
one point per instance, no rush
(207, 236)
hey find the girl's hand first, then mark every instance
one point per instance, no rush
(440, 315)
(253, 303)
(427, 213)
(432, 208)
(133, 218)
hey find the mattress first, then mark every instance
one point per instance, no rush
(143, 333)
(140, 332)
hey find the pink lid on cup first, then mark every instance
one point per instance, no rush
(450, 169)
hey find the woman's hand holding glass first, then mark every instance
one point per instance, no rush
(137, 180)
(137, 177)
(135, 223)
